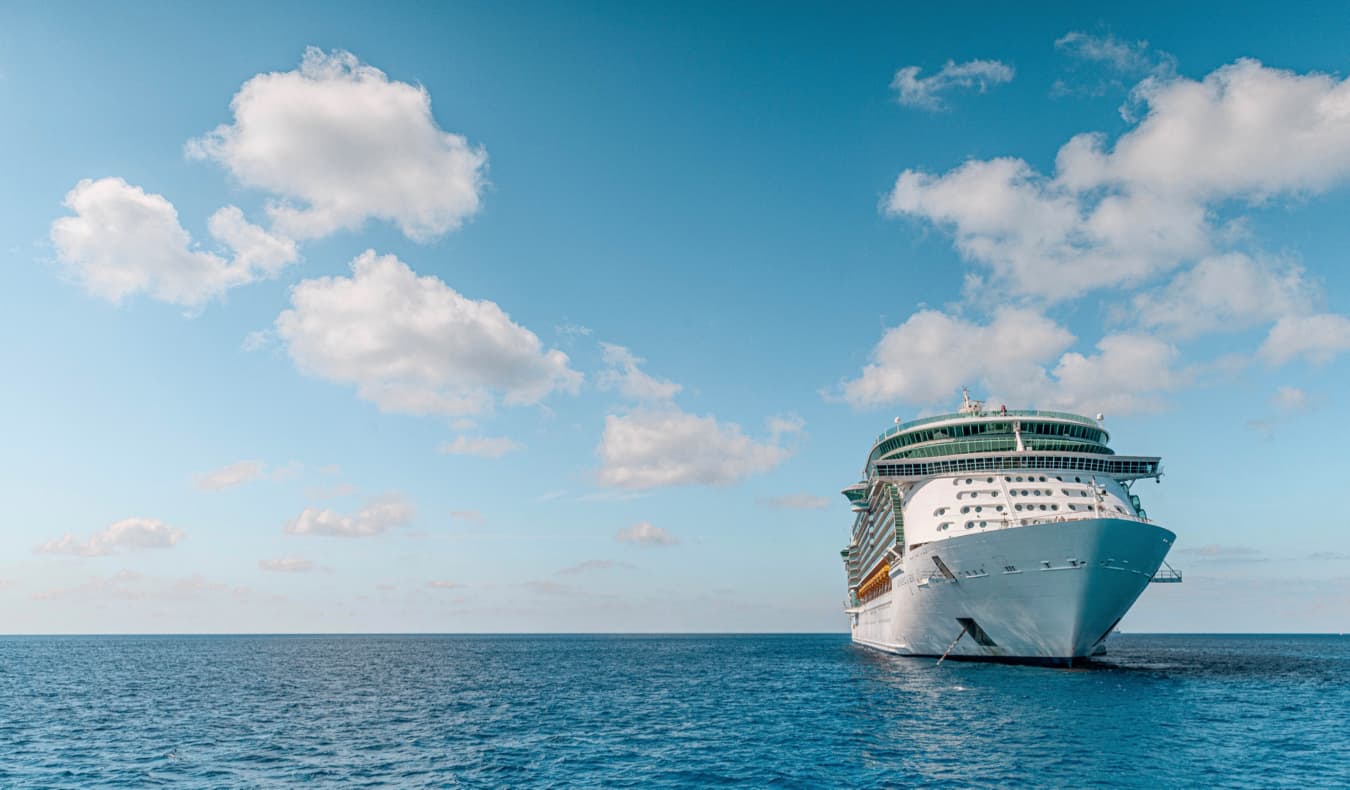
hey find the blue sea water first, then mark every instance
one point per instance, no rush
(658, 711)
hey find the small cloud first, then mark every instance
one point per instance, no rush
(551, 588)
(377, 517)
(925, 93)
(1329, 555)
(1289, 399)
(595, 565)
(467, 515)
(235, 474)
(331, 492)
(129, 533)
(443, 584)
(1223, 552)
(287, 565)
(257, 340)
(1123, 56)
(290, 471)
(784, 425)
(572, 330)
(796, 502)
(482, 446)
(644, 534)
(627, 377)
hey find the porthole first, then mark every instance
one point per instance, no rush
(1019, 479)
(1007, 479)
(984, 523)
(1019, 506)
(999, 508)
(965, 509)
(970, 524)
(990, 480)
(1042, 507)
(1054, 507)
(979, 510)
(968, 481)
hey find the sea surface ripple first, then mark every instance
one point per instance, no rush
(663, 711)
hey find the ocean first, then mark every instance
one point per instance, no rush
(806, 711)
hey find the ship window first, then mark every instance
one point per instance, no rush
(983, 523)
(979, 509)
(1007, 479)
(1019, 506)
(1042, 507)
(990, 480)
(1054, 507)
(1019, 479)
(968, 481)
(965, 509)
(999, 508)
(970, 524)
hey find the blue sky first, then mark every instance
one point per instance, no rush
(576, 318)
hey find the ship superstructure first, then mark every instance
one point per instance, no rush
(999, 534)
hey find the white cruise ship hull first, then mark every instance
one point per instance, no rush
(1046, 593)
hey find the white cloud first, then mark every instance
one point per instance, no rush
(648, 449)
(644, 534)
(1122, 56)
(340, 143)
(1226, 292)
(926, 92)
(481, 446)
(625, 375)
(1316, 338)
(796, 502)
(287, 565)
(414, 345)
(235, 474)
(375, 518)
(586, 566)
(256, 340)
(123, 240)
(1041, 238)
(1289, 399)
(331, 492)
(129, 533)
(1120, 216)
(1125, 376)
(930, 356)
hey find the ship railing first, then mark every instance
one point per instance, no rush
(1062, 415)
(1166, 575)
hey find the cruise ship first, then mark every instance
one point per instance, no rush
(999, 535)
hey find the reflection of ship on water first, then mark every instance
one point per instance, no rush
(999, 535)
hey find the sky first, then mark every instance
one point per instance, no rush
(516, 317)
